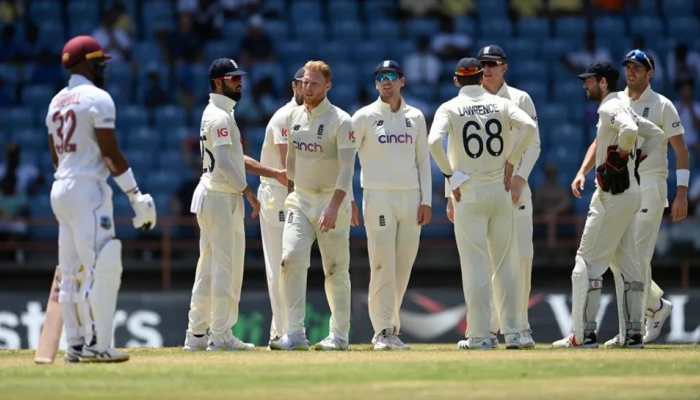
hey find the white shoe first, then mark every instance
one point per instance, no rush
(614, 343)
(292, 341)
(230, 343)
(398, 343)
(110, 355)
(526, 340)
(512, 341)
(274, 343)
(569, 342)
(655, 322)
(332, 343)
(73, 353)
(195, 343)
(473, 344)
(382, 342)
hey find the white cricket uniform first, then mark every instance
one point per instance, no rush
(396, 180)
(609, 233)
(81, 199)
(653, 173)
(218, 203)
(523, 210)
(271, 195)
(315, 140)
(480, 127)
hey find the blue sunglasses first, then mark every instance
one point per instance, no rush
(386, 76)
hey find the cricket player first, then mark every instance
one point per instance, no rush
(609, 232)
(495, 64)
(397, 184)
(84, 151)
(218, 203)
(320, 165)
(639, 72)
(480, 127)
(272, 194)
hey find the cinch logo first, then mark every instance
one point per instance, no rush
(403, 138)
(310, 147)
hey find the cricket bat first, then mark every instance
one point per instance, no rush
(53, 325)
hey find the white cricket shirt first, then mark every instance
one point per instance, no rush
(275, 133)
(74, 114)
(315, 138)
(393, 148)
(218, 128)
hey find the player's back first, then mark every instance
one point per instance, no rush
(480, 128)
(73, 115)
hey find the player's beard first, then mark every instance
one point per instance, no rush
(99, 74)
(232, 94)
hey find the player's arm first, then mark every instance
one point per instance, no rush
(586, 166)
(142, 203)
(254, 167)
(628, 130)
(424, 176)
(277, 129)
(525, 127)
(532, 152)
(347, 149)
(52, 150)
(674, 129)
(439, 131)
(232, 171)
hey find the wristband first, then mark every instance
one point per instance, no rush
(682, 177)
(127, 182)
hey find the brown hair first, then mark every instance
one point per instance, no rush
(320, 66)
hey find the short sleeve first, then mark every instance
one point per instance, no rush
(103, 111)
(671, 121)
(346, 135)
(220, 131)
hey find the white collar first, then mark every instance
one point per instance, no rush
(77, 80)
(386, 107)
(472, 90)
(223, 102)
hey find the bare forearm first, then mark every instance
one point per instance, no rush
(337, 199)
(252, 166)
(589, 159)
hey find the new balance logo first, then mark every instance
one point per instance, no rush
(380, 122)
(403, 138)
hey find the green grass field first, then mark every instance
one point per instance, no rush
(427, 371)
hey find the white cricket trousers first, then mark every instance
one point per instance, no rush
(272, 217)
(608, 239)
(523, 238)
(393, 236)
(83, 208)
(484, 229)
(648, 222)
(301, 229)
(217, 283)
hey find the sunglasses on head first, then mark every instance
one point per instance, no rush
(386, 76)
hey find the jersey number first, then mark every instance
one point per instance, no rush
(65, 121)
(203, 150)
(494, 142)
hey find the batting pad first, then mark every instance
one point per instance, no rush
(103, 294)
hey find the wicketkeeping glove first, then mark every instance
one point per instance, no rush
(613, 176)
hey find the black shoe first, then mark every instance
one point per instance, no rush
(634, 341)
(590, 340)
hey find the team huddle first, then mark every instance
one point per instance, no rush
(306, 196)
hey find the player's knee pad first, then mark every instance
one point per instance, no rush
(68, 292)
(102, 296)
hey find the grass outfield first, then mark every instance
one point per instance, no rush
(427, 371)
